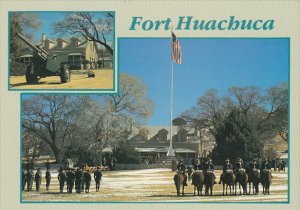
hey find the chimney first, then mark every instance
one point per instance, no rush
(43, 39)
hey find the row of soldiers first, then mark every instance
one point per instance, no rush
(208, 165)
(28, 177)
(82, 179)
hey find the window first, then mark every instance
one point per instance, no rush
(27, 61)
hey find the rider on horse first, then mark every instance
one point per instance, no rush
(265, 166)
(209, 166)
(226, 166)
(198, 165)
(238, 165)
(253, 164)
(181, 168)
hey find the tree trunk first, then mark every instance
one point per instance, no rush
(56, 154)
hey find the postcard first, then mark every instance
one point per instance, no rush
(148, 104)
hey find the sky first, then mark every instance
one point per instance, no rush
(47, 20)
(207, 63)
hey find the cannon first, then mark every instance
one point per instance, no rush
(45, 64)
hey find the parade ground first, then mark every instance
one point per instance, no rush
(150, 185)
(79, 80)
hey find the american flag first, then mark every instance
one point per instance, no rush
(176, 50)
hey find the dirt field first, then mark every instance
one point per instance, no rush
(79, 80)
(151, 185)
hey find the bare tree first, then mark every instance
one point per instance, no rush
(109, 119)
(267, 112)
(86, 24)
(51, 119)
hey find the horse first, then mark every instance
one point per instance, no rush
(198, 181)
(281, 167)
(189, 171)
(266, 181)
(228, 179)
(241, 179)
(209, 181)
(179, 180)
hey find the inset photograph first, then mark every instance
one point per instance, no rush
(196, 120)
(61, 51)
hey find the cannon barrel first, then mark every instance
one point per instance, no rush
(39, 51)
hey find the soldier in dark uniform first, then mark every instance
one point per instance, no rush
(113, 163)
(199, 165)
(227, 166)
(97, 177)
(78, 180)
(83, 181)
(238, 165)
(24, 178)
(265, 165)
(61, 178)
(30, 176)
(253, 164)
(48, 179)
(87, 179)
(181, 167)
(38, 179)
(70, 180)
(208, 165)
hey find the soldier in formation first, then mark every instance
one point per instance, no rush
(30, 177)
(208, 165)
(61, 178)
(70, 180)
(238, 165)
(24, 178)
(227, 166)
(97, 178)
(38, 179)
(181, 167)
(87, 180)
(48, 179)
(78, 180)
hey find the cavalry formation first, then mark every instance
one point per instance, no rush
(203, 176)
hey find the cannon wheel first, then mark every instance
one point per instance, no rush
(65, 74)
(30, 75)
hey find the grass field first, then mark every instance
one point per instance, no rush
(79, 80)
(151, 185)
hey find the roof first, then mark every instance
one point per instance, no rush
(284, 156)
(164, 150)
(75, 54)
(25, 56)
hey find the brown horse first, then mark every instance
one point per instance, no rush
(198, 181)
(254, 178)
(209, 181)
(241, 179)
(266, 181)
(179, 180)
(228, 179)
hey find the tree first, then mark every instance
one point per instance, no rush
(68, 123)
(236, 137)
(125, 153)
(32, 147)
(88, 25)
(109, 119)
(24, 23)
(50, 118)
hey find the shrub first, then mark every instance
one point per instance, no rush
(17, 69)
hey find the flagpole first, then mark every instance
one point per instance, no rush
(171, 111)
(170, 150)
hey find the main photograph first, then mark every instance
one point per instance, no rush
(195, 120)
